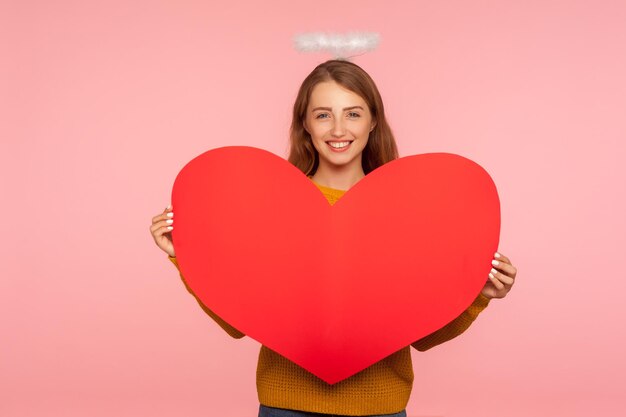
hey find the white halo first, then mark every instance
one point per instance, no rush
(341, 46)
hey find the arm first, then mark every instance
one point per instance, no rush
(227, 327)
(455, 327)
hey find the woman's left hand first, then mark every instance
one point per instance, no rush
(501, 277)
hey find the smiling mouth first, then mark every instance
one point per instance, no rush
(335, 144)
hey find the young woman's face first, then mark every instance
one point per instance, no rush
(339, 122)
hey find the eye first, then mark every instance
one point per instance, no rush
(354, 114)
(319, 116)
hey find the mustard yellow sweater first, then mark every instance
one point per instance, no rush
(383, 388)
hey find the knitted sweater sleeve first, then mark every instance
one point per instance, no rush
(455, 327)
(227, 327)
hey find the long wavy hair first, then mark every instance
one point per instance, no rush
(381, 146)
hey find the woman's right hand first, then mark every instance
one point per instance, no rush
(161, 227)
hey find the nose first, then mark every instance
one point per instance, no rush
(338, 129)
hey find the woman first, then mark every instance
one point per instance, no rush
(338, 135)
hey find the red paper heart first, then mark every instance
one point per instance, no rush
(334, 288)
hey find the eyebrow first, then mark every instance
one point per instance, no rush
(345, 108)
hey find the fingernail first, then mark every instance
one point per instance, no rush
(169, 227)
(169, 207)
(497, 255)
(491, 276)
(170, 214)
(495, 263)
(169, 221)
(493, 271)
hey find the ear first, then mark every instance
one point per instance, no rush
(374, 123)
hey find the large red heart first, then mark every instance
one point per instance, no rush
(334, 288)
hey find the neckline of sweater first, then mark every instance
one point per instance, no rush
(328, 189)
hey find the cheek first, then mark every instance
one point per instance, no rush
(365, 130)
(318, 134)
(317, 144)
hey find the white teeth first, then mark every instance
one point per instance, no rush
(338, 144)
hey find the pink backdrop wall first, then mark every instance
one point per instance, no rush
(102, 103)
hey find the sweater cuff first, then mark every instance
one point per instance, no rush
(173, 260)
(478, 305)
(481, 301)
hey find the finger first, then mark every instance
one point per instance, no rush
(500, 257)
(508, 269)
(163, 230)
(163, 223)
(496, 282)
(501, 277)
(163, 216)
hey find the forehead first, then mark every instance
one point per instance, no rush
(328, 92)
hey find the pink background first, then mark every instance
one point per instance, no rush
(102, 103)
